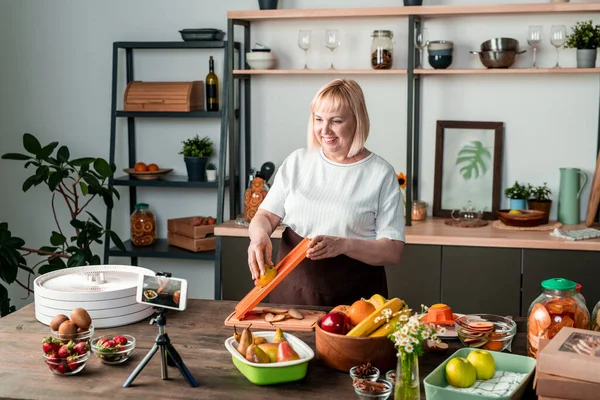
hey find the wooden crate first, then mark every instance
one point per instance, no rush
(182, 226)
(164, 96)
(191, 244)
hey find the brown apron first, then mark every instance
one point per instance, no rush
(328, 282)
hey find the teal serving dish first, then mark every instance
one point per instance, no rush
(437, 388)
(272, 373)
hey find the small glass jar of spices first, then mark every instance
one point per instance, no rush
(382, 49)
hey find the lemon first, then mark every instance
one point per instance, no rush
(515, 212)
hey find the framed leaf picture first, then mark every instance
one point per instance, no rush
(468, 167)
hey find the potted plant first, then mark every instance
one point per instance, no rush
(518, 195)
(196, 153)
(585, 37)
(268, 4)
(211, 172)
(539, 199)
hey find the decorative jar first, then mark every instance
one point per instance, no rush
(557, 307)
(596, 317)
(254, 195)
(419, 210)
(382, 49)
(143, 226)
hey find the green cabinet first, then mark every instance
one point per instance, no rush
(481, 280)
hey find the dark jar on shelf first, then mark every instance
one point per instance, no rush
(557, 307)
(143, 226)
(382, 49)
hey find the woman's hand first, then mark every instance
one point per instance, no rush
(259, 253)
(325, 247)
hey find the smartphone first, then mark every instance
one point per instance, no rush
(162, 291)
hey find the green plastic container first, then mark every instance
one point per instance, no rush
(274, 373)
(436, 387)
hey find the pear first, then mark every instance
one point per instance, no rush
(256, 355)
(246, 340)
(285, 352)
(278, 338)
(237, 336)
(269, 275)
(270, 349)
(259, 340)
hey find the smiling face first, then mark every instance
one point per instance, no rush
(334, 131)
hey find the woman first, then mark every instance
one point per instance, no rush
(342, 196)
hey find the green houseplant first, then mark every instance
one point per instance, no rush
(196, 153)
(518, 195)
(585, 37)
(211, 172)
(539, 199)
(77, 182)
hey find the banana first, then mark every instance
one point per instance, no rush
(389, 327)
(377, 318)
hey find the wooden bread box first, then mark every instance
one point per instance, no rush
(182, 233)
(164, 96)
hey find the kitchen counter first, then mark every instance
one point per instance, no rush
(198, 335)
(433, 231)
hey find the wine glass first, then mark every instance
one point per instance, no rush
(421, 41)
(304, 43)
(332, 41)
(558, 36)
(534, 38)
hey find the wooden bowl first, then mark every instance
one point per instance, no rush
(527, 218)
(344, 352)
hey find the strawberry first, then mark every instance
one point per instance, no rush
(81, 348)
(65, 350)
(108, 343)
(50, 345)
(62, 368)
(53, 361)
(101, 341)
(73, 362)
(120, 340)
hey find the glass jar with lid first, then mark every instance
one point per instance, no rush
(578, 294)
(557, 307)
(419, 210)
(143, 225)
(382, 49)
(596, 317)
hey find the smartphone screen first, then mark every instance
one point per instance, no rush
(162, 291)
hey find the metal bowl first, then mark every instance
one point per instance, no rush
(500, 44)
(497, 59)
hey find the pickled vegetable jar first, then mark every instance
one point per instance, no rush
(557, 307)
(596, 317)
(143, 226)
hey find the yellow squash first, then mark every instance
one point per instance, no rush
(376, 318)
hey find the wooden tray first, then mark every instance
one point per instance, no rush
(182, 226)
(192, 244)
(284, 267)
(311, 317)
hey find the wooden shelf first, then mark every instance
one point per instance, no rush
(426, 11)
(319, 72)
(161, 249)
(433, 231)
(507, 71)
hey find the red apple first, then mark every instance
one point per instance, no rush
(336, 322)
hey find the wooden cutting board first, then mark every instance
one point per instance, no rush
(311, 317)
(284, 267)
(594, 196)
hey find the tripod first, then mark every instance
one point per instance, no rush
(166, 348)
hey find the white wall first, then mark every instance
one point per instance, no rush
(55, 76)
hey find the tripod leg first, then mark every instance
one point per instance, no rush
(163, 362)
(141, 366)
(180, 365)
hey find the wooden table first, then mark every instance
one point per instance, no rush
(198, 334)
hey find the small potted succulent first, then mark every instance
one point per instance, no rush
(585, 37)
(518, 195)
(539, 199)
(211, 172)
(196, 153)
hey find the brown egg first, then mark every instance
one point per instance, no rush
(81, 318)
(57, 320)
(67, 330)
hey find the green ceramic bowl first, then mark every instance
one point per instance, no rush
(437, 388)
(274, 373)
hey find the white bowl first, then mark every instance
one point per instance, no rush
(261, 64)
(260, 56)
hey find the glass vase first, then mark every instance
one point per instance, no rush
(407, 377)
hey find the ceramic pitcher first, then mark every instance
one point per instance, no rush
(572, 182)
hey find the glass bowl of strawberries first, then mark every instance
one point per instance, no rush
(113, 349)
(65, 358)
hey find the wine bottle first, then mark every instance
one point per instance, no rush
(212, 87)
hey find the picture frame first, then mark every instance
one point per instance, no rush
(468, 167)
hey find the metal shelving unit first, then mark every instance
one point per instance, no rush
(161, 249)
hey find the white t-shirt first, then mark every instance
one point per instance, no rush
(316, 196)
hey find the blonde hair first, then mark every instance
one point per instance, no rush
(335, 96)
